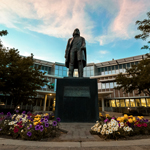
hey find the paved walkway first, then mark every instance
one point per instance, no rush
(77, 138)
(77, 132)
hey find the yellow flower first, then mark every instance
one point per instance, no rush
(130, 120)
(35, 123)
(100, 115)
(125, 116)
(107, 115)
(134, 119)
(119, 119)
(46, 114)
(142, 117)
(122, 119)
(130, 116)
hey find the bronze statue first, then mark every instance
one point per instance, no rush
(75, 54)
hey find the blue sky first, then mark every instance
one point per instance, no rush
(42, 27)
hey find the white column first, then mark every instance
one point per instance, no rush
(45, 100)
(102, 103)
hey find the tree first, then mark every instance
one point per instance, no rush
(138, 76)
(2, 33)
(18, 78)
(144, 26)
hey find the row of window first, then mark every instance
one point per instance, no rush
(115, 69)
(107, 85)
(63, 71)
(43, 69)
(129, 102)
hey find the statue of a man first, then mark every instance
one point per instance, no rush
(75, 54)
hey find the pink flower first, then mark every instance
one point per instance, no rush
(144, 124)
(139, 125)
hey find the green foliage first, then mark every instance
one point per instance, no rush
(18, 78)
(136, 78)
(144, 26)
(3, 32)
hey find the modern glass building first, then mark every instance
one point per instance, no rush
(109, 98)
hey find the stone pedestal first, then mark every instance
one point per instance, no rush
(77, 100)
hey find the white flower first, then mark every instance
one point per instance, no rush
(127, 129)
(105, 126)
(113, 128)
(99, 127)
(95, 129)
(97, 121)
(98, 130)
(113, 124)
(22, 130)
(110, 131)
(109, 124)
(121, 124)
(102, 132)
(124, 128)
(107, 131)
(116, 128)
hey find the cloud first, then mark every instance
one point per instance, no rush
(59, 18)
(123, 26)
(103, 52)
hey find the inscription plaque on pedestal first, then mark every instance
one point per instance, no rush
(77, 91)
(77, 100)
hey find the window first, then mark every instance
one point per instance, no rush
(103, 85)
(122, 103)
(106, 72)
(56, 67)
(132, 103)
(136, 62)
(92, 73)
(143, 102)
(128, 65)
(99, 85)
(92, 67)
(127, 102)
(46, 68)
(113, 70)
(99, 71)
(65, 73)
(56, 72)
(120, 68)
(115, 84)
(137, 102)
(49, 70)
(117, 70)
(42, 67)
(148, 102)
(113, 103)
(60, 73)
(132, 63)
(102, 71)
(64, 68)
(107, 85)
(111, 85)
(117, 103)
(109, 70)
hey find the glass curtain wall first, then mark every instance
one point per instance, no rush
(60, 71)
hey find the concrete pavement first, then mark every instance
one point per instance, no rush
(77, 138)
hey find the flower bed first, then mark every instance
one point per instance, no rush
(114, 128)
(28, 126)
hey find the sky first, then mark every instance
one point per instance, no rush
(43, 27)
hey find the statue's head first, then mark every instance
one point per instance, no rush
(76, 32)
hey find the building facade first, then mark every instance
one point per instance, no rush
(109, 98)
